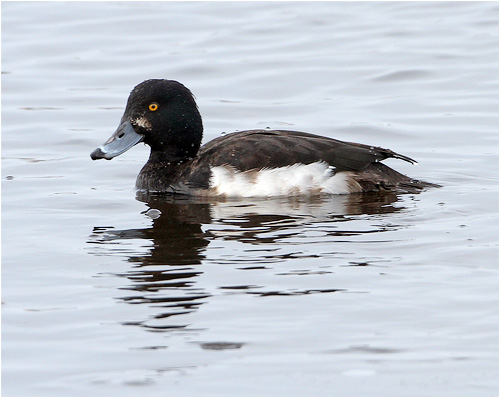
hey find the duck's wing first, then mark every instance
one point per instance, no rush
(255, 149)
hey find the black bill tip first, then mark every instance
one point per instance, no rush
(97, 154)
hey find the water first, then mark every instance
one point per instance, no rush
(106, 294)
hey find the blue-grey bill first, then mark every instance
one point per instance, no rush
(121, 141)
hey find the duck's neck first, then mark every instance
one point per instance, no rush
(160, 171)
(166, 158)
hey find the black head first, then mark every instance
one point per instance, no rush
(162, 114)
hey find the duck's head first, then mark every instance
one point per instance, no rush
(162, 114)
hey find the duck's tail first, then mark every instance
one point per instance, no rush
(379, 177)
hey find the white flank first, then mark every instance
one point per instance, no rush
(294, 180)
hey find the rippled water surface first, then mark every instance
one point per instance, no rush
(109, 294)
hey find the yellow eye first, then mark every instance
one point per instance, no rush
(153, 107)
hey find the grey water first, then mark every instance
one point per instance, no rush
(105, 293)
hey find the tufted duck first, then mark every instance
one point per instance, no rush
(163, 114)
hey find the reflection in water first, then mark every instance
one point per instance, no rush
(169, 259)
(164, 276)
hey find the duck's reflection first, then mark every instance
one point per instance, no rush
(169, 260)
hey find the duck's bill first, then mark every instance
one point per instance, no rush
(121, 141)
